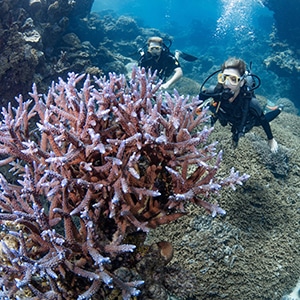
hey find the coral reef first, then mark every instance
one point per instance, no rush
(43, 40)
(29, 34)
(252, 252)
(288, 105)
(93, 166)
(283, 62)
(277, 163)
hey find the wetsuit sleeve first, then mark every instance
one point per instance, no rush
(204, 95)
(211, 91)
(141, 62)
(261, 118)
(171, 63)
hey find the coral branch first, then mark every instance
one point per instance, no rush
(93, 166)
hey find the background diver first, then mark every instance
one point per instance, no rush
(159, 58)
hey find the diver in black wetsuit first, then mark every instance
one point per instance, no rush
(234, 102)
(159, 58)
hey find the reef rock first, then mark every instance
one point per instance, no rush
(288, 31)
(29, 34)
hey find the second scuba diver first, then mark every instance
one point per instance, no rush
(158, 57)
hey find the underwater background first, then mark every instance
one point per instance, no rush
(217, 29)
(250, 253)
(266, 35)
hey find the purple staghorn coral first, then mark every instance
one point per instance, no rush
(91, 166)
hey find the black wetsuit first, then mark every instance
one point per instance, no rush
(165, 65)
(242, 114)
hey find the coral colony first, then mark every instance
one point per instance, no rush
(91, 166)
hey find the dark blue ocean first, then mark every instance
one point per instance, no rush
(214, 29)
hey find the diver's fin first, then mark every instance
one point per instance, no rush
(187, 57)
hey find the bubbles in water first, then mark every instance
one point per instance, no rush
(236, 18)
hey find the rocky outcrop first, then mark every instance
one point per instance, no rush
(284, 60)
(286, 17)
(30, 31)
(41, 40)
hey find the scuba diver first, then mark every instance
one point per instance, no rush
(234, 102)
(158, 57)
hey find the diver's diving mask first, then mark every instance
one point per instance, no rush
(229, 78)
(154, 49)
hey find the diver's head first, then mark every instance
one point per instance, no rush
(235, 63)
(155, 44)
(232, 76)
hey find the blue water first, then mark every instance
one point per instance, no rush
(162, 14)
(219, 17)
(213, 29)
(198, 24)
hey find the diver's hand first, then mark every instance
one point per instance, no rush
(164, 86)
(273, 145)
